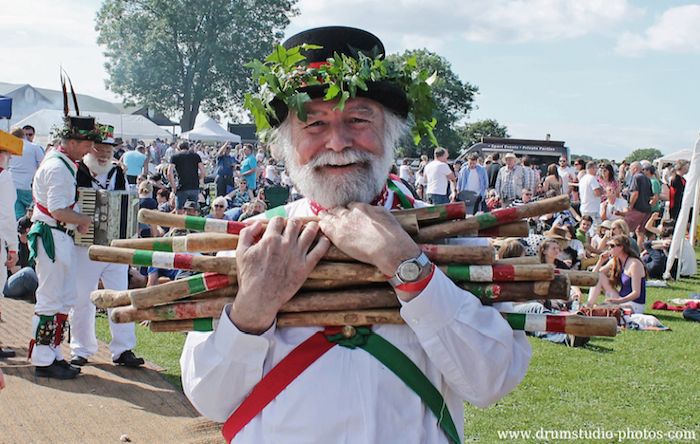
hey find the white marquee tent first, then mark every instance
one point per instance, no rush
(691, 199)
(126, 126)
(207, 130)
(678, 155)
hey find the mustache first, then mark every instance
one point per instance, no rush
(345, 157)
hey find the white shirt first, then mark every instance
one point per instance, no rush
(54, 186)
(610, 209)
(436, 173)
(590, 203)
(567, 174)
(8, 223)
(23, 167)
(405, 172)
(466, 349)
(473, 181)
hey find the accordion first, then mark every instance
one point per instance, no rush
(114, 216)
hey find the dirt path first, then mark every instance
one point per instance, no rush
(103, 404)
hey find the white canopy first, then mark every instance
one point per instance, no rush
(691, 198)
(126, 126)
(210, 131)
(678, 155)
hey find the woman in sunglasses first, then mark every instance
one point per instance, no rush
(622, 276)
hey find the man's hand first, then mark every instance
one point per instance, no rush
(84, 224)
(272, 269)
(11, 259)
(369, 234)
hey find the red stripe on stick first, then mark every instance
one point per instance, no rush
(503, 272)
(233, 227)
(506, 215)
(456, 211)
(216, 280)
(556, 324)
(182, 261)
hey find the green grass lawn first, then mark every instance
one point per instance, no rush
(635, 382)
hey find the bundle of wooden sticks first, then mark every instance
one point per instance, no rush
(341, 291)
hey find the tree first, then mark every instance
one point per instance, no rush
(452, 96)
(649, 154)
(185, 55)
(471, 133)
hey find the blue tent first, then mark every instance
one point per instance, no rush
(5, 107)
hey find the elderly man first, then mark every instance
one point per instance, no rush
(510, 180)
(339, 158)
(640, 198)
(98, 171)
(51, 243)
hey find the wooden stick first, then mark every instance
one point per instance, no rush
(530, 322)
(498, 273)
(513, 229)
(344, 271)
(191, 243)
(211, 303)
(558, 288)
(436, 213)
(115, 298)
(579, 278)
(214, 242)
(178, 289)
(492, 219)
(409, 222)
(522, 260)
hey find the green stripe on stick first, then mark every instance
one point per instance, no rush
(516, 320)
(458, 272)
(165, 246)
(195, 223)
(143, 258)
(203, 324)
(196, 285)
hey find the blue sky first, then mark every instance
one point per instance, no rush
(606, 76)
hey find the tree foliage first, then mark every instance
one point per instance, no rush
(453, 98)
(649, 154)
(181, 56)
(471, 133)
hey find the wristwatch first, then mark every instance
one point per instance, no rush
(410, 270)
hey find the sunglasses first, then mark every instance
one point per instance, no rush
(611, 245)
(218, 206)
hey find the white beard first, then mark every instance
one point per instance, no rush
(362, 184)
(94, 165)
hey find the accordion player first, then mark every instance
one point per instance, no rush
(104, 195)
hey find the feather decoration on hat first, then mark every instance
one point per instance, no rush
(65, 94)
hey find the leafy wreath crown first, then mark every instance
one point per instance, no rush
(282, 75)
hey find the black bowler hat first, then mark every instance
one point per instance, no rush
(350, 42)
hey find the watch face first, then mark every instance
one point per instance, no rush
(409, 271)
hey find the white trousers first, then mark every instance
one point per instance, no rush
(56, 291)
(3, 268)
(82, 318)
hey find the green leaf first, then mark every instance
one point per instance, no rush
(296, 103)
(307, 46)
(332, 92)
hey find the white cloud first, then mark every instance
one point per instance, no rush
(677, 30)
(406, 22)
